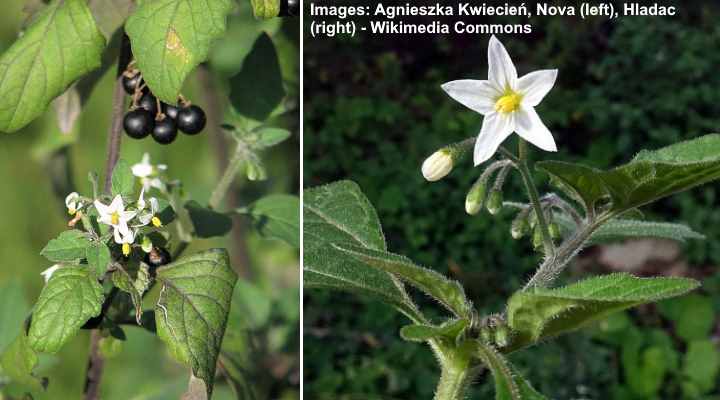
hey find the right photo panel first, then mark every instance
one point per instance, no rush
(511, 200)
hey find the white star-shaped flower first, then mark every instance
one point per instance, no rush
(125, 239)
(508, 103)
(148, 216)
(115, 214)
(73, 203)
(148, 173)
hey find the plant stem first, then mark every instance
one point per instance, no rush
(534, 198)
(228, 176)
(456, 374)
(96, 363)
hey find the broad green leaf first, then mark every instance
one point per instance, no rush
(61, 45)
(266, 8)
(208, 223)
(18, 362)
(98, 258)
(449, 293)
(278, 216)
(693, 316)
(268, 137)
(70, 298)
(229, 52)
(339, 213)
(509, 384)
(544, 313)
(258, 88)
(171, 37)
(420, 333)
(123, 180)
(620, 229)
(702, 365)
(69, 246)
(123, 281)
(651, 175)
(110, 14)
(13, 311)
(192, 309)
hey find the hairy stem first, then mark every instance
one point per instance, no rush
(96, 363)
(228, 177)
(456, 375)
(534, 198)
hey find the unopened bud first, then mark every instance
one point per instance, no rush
(495, 200)
(537, 239)
(554, 230)
(519, 226)
(501, 336)
(475, 198)
(438, 165)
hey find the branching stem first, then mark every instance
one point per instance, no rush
(228, 177)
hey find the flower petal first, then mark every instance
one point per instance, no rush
(501, 70)
(476, 95)
(529, 126)
(535, 85)
(117, 204)
(495, 129)
(101, 208)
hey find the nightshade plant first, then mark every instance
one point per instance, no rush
(344, 246)
(125, 245)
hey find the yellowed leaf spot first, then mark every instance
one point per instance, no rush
(176, 47)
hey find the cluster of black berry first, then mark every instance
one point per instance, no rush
(149, 116)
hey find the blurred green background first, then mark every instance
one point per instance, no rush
(265, 326)
(374, 110)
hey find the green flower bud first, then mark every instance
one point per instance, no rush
(537, 239)
(554, 230)
(495, 200)
(502, 336)
(519, 227)
(475, 198)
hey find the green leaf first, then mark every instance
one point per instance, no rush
(192, 309)
(123, 181)
(208, 223)
(702, 364)
(266, 8)
(651, 175)
(60, 46)
(18, 362)
(258, 88)
(693, 315)
(110, 14)
(268, 137)
(13, 310)
(228, 53)
(339, 213)
(449, 330)
(70, 298)
(543, 313)
(171, 37)
(98, 258)
(278, 216)
(122, 280)
(449, 293)
(620, 229)
(509, 384)
(69, 246)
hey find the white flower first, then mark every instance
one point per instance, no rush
(125, 239)
(48, 273)
(437, 166)
(115, 215)
(148, 173)
(508, 103)
(148, 216)
(73, 203)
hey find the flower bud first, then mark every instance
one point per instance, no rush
(495, 200)
(475, 198)
(537, 239)
(554, 230)
(501, 336)
(438, 165)
(520, 226)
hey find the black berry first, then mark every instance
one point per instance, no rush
(130, 84)
(165, 131)
(157, 257)
(170, 111)
(191, 120)
(148, 102)
(138, 123)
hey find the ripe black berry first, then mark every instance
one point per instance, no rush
(191, 120)
(170, 111)
(157, 257)
(148, 102)
(131, 83)
(138, 123)
(165, 131)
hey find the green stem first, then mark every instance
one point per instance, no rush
(456, 375)
(534, 197)
(228, 176)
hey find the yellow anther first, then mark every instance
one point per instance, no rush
(72, 211)
(508, 102)
(126, 249)
(156, 222)
(114, 218)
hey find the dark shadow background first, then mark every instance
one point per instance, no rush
(374, 110)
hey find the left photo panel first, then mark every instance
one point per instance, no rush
(149, 160)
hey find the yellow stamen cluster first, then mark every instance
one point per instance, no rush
(508, 102)
(156, 222)
(114, 218)
(126, 249)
